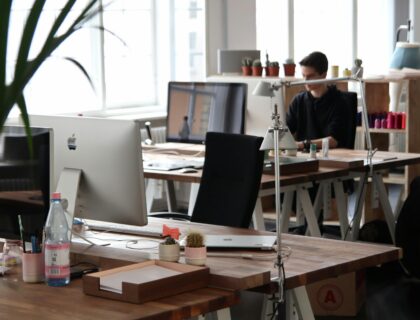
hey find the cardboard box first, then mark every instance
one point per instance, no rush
(340, 296)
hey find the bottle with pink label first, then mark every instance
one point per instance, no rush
(57, 245)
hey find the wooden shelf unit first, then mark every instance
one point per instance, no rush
(377, 101)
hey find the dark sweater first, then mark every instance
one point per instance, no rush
(315, 118)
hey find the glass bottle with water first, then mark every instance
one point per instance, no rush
(57, 245)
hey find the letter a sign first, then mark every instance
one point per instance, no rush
(330, 297)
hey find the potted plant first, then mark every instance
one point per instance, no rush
(267, 64)
(289, 67)
(257, 67)
(273, 69)
(169, 250)
(64, 25)
(246, 66)
(195, 250)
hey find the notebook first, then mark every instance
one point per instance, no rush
(265, 242)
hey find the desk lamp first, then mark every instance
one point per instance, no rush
(278, 136)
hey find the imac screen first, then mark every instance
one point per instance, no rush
(197, 107)
(108, 154)
(24, 181)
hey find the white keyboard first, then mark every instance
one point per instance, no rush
(123, 228)
(173, 164)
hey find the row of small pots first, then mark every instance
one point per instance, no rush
(289, 70)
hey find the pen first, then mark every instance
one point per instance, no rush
(21, 232)
(34, 244)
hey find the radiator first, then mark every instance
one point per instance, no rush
(158, 134)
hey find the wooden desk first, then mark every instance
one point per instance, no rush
(38, 301)
(299, 183)
(311, 259)
(382, 160)
(326, 176)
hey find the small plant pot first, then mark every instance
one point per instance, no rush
(196, 256)
(257, 71)
(289, 69)
(273, 71)
(169, 252)
(246, 71)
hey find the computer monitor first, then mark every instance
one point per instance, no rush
(197, 107)
(24, 181)
(107, 153)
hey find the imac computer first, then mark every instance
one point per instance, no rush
(98, 167)
(24, 181)
(197, 107)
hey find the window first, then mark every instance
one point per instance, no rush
(375, 40)
(150, 43)
(343, 30)
(324, 25)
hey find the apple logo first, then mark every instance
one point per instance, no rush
(71, 142)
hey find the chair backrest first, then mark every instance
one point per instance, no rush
(407, 229)
(350, 107)
(231, 180)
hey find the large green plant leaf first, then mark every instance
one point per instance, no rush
(12, 94)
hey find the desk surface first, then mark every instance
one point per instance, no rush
(311, 259)
(38, 301)
(382, 160)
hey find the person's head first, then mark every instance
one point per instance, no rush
(314, 66)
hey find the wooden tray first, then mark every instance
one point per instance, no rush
(145, 281)
(293, 165)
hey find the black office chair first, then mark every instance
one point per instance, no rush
(230, 181)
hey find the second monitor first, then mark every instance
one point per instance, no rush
(197, 107)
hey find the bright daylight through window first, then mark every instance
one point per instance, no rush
(150, 43)
(343, 30)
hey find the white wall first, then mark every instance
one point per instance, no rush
(230, 24)
(415, 20)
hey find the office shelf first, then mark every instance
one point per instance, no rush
(394, 178)
(377, 101)
(377, 130)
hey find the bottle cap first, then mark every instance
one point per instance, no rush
(56, 196)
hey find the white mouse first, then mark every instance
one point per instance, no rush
(188, 170)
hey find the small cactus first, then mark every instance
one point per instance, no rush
(246, 61)
(195, 240)
(257, 63)
(289, 61)
(274, 64)
(267, 60)
(169, 240)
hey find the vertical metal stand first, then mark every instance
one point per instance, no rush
(278, 132)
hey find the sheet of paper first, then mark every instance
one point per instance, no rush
(113, 282)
